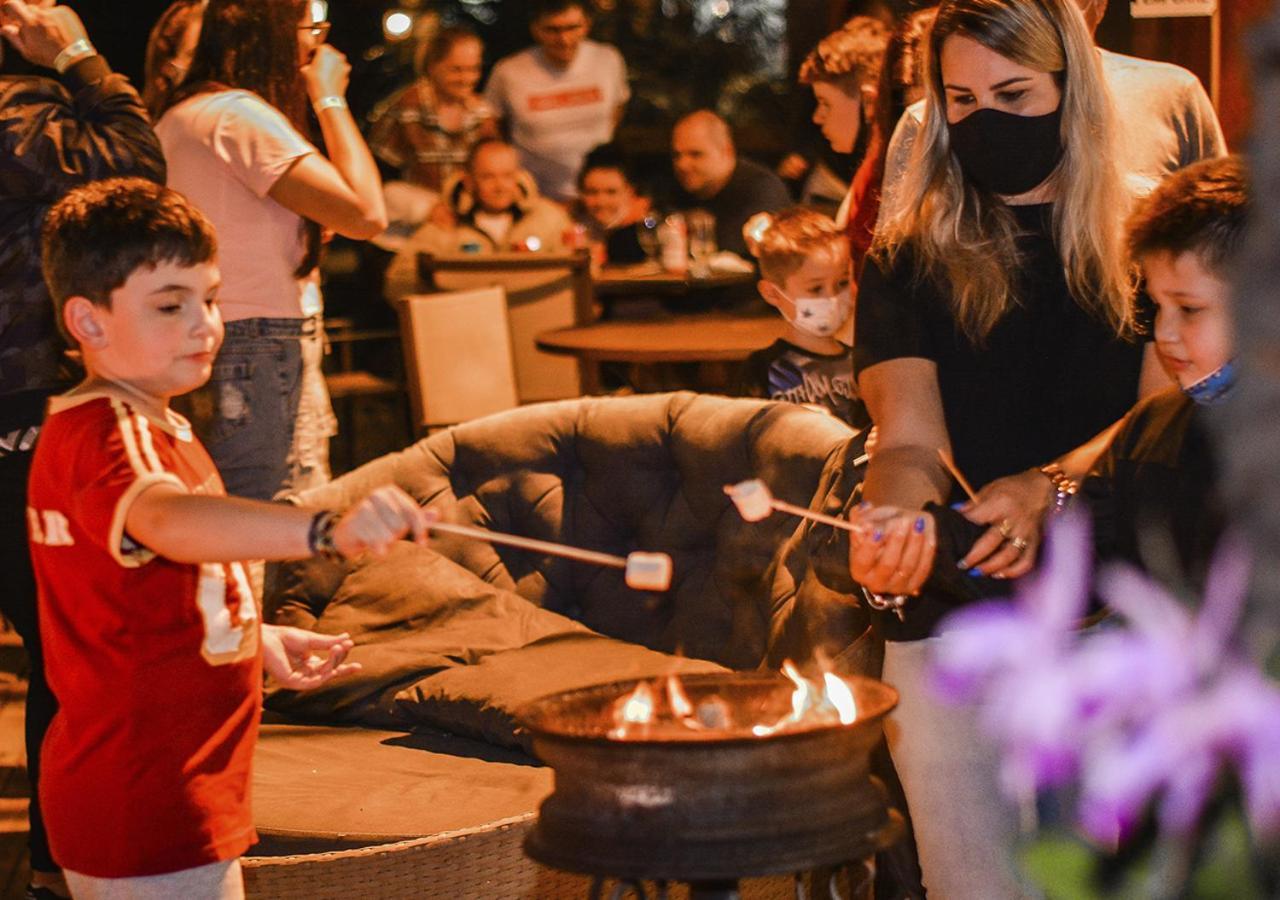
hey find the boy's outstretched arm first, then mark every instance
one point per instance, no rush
(196, 528)
(301, 660)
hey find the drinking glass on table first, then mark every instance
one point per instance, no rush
(702, 241)
(647, 235)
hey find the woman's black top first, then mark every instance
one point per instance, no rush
(1048, 378)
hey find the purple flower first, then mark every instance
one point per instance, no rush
(1146, 713)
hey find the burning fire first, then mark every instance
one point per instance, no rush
(827, 700)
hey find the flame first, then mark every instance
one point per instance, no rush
(839, 695)
(681, 705)
(634, 709)
(830, 699)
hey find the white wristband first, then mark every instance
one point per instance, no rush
(333, 101)
(72, 54)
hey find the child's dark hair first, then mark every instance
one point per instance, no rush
(1201, 209)
(608, 156)
(540, 9)
(99, 234)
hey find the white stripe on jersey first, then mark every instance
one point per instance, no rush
(125, 423)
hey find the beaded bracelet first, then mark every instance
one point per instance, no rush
(882, 603)
(320, 536)
(1064, 486)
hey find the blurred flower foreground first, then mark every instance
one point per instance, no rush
(1150, 740)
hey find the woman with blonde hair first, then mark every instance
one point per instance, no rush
(994, 324)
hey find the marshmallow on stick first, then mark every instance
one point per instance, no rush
(642, 571)
(755, 503)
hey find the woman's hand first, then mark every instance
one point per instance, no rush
(379, 520)
(301, 660)
(1015, 507)
(327, 73)
(892, 551)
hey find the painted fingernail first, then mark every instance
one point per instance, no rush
(877, 535)
(957, 505)
(919, 526)
(975, 572)
(864, 505)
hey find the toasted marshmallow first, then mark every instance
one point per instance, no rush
(648, 571)
(752, 498)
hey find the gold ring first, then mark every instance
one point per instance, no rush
(1019, 543)
(1006, 528)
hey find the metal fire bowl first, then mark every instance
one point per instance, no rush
(701, 806)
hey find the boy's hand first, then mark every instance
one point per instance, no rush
(301, 660)
(379, 520)
(39, 30)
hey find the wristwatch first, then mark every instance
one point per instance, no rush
(1064, 486)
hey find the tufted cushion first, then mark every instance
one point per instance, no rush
(620, 474)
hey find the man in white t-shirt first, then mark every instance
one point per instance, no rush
(1164, 119)
(560, 98)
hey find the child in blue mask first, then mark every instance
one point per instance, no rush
(804, 267)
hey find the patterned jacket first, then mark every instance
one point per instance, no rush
(54, 137)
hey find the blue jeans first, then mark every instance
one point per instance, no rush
(263, 415)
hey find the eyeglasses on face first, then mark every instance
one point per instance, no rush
(317, 30)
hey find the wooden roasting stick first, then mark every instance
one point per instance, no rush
(644, 571)
(754, 503)
(950, 463)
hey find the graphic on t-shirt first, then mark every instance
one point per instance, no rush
(825, 381)
(583, 96)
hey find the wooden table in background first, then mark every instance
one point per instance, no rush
(712, 341)
(647, 279)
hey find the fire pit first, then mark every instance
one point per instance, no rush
(712, 779)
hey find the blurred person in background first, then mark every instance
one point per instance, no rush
(423, 132)
(235, 138)
(844, 72)
(492, 207)
(609, 204)
(710, 175)
(561, 97)
(56, 133)
(170, 47)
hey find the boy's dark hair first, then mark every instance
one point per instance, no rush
(1201, 209)
(608, 156)
(540, 9)
(98, 235)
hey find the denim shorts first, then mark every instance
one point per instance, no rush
(264, 415)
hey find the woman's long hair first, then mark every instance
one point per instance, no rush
(161, 75)
(253, 45)
(964, 238)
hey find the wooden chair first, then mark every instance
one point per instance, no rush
(353, 389)
(543, 292)
(458, 359)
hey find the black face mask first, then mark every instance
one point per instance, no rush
(1007, 154)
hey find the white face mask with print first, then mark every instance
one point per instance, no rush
(822, 316)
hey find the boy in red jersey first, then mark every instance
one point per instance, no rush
(152, 634)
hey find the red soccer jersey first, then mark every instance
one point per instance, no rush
(155, 664)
